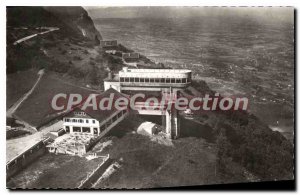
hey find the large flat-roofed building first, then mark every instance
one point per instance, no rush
(165, 83)
(149, 79)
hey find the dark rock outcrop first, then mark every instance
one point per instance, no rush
(73, 21)
(77, 19)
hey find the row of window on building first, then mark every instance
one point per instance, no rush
(78, 120)
(95, 130)
(113, 119)
(155, 80)
(79, 113)
(82, 130)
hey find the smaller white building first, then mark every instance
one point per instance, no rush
(80, 122)
(94, 122)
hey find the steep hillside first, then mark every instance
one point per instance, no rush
(74, 28)
(70, 56)
(243, 138)
(73, 21)
(72, 49)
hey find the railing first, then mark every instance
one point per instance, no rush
(157, 70)
(154, 80)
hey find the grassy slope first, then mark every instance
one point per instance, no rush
(54, 171)
(147, 163)
(36, 110)
(68, 59)
(249, 142)
(17, 84)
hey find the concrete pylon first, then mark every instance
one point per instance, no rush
(171, 120)
(172, 124)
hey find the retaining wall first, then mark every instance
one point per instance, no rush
(95, 174)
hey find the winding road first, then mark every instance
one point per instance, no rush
(48, 29)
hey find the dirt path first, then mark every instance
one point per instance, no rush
(16, 105)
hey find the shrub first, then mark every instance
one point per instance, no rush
(63, 52)
(253, 145)
(77, 58)
(75, 72)
(92, 63)
(58, 66)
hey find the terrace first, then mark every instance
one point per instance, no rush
(74, 144)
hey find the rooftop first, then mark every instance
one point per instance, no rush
(155, 70)
(100, 115)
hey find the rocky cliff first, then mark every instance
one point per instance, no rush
(73, 21)
(77, 19)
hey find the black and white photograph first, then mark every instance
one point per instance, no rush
(150, 97)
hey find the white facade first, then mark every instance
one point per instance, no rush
(155, 73)
(81, 123)
(149, 79)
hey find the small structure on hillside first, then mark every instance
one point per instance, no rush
(110, 46)
(130, 57)
(149, 128)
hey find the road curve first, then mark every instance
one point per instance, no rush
(49, 29)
